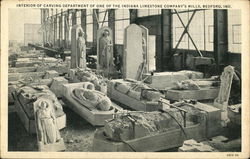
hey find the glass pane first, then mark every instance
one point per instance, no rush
(234, 31)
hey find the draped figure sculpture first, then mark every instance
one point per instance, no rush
(78, 48)
(105, 51)
(46, 123)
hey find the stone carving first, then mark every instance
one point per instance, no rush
(226, 82)
(137, 91)
(135, 58)
(78, 48)
(85, 75)
(46, 125)
(90, 98)
(221, 101)
(105, 61)
(46, 122)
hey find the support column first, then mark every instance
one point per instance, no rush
(66, 29)
(133, 15)
(60, 30)
(84, 20)
(167, 43)
(95, 28)
(55, 30)
(111, 24)
(220, 36)
(73, 18)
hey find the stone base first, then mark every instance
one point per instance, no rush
(158, 142)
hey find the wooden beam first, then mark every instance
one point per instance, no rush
(95, 28)
(73, 18)
(84, 20)
(133, 15)
(220, 36)
(167, 44)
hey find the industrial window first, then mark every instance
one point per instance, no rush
(57, 27)
(89, 27)
(78, 17)
(63, 27)
(70, 26)
(103, 18)
(148, 12)
(200, 29)
(234, 31)
(121, 22)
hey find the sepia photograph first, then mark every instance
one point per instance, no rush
(133, 79)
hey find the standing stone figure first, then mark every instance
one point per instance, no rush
(105, 51)
(46, 123)
(78, 48)
(81, 50)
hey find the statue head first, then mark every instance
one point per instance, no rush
(105, 33)
(44, 105)
(80, 33)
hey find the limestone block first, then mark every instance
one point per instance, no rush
(135, 48)
(57, 86)
(51, 74)
(193, 146)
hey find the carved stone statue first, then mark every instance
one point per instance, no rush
(91, 99)
(105, 50)
(78, 48)
(81, 50)
(221, 101)
(46, 123)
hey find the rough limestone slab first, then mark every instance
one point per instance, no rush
(57, 85)
(20, 76)
(202, 94)
(22, 70)
(162, 80)
(193, 146)
(129, 101)
(132, 57)
(213, 119)
(12, 86)
(152, 143)
(51, 74)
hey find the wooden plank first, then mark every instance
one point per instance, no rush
(202, 94)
